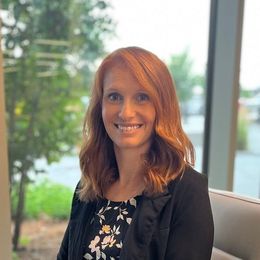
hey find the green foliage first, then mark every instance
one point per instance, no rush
(180, 66)
(242, 131)
(46, 199)
(59, 43)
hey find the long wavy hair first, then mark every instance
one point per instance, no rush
(171, 150)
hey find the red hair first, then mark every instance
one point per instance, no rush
(171, 149)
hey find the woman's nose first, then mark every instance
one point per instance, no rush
(127, 110)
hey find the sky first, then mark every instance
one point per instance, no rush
(169, 27)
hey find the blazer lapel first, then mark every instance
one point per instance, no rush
(139, 233)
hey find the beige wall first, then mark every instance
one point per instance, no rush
(5, 223)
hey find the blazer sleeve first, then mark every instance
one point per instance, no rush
(63, 251)
(192, 229)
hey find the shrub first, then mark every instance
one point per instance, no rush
(47, 198)
(242, 131)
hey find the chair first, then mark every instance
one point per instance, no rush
(237, 226)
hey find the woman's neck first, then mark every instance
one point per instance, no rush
(131, 175)
(130, 163)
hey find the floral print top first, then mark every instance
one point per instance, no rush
(108, 228)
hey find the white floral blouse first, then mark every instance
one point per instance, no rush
(109, 226)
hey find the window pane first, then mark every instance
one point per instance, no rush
(247, 161)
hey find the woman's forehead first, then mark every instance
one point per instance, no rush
(120, 73)
(117, 75)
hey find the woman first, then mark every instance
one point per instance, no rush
(138, 197)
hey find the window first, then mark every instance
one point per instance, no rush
(247, 171)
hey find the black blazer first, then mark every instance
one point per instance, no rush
(176, 225)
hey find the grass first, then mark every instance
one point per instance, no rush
(24, 241)
(15, 256)
(49, 199)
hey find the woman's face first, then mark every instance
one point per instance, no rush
(127, 110)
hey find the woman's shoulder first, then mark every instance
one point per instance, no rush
(189, 181)
(192, 177)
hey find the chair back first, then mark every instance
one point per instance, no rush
(237, 226)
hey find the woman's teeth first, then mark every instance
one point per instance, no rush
(128, 128)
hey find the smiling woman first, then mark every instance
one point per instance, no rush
(138, 197)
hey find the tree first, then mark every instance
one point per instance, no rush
(50, 48)
(180, 66)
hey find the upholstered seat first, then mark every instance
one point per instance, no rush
(237, 226)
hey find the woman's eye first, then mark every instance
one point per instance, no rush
(114, 97)
(142, 97)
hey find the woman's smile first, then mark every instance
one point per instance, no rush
(129, 128)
